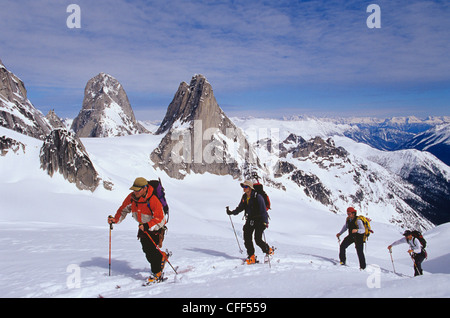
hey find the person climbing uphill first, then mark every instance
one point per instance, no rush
(148, 211)
(355, 235)
(416, 250)
(257, 220)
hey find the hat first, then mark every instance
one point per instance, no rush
(138, 184)
(248, 184)
(351, 209)
(407, 233)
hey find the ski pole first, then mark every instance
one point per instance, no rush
(392, 260)
(110, 229)
(237, 240)
(162, 253)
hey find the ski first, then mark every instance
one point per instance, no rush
(155, 282)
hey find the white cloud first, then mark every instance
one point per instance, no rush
(151, 46)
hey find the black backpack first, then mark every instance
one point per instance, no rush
(419, 236)
(260, 190)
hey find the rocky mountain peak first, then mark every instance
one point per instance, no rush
(106, 110)
(16, 111)
(63, 152)
(200, 137)
(194, 101)
(54, 120)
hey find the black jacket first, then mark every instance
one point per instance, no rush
(255, 208)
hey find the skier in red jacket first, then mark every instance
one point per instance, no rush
(146, 209)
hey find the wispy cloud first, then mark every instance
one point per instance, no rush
(151, 46)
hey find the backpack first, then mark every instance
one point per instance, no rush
(367, 228)
(260, 190)
(159, 192)
(419, 236)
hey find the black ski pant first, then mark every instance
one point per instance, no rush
(254, 226)
(153, 255)
(358, 239)
(418, 259)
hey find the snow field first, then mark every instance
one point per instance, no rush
(54, 237)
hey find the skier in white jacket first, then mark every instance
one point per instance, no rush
(416, 251)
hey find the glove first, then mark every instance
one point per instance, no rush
(144, 227)
(228, 211)
(111, 220)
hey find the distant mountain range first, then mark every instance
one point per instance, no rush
(430, 134)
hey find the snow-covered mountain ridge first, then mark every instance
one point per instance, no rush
(396, 133)
(361, 176)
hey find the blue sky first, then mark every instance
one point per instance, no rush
(263, 58)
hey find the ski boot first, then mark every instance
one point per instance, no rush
(269, 254)
(155, 278)
(251, 260)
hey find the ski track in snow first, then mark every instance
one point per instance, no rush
(208, 267)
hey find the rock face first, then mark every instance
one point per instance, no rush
(106, 110)
(200, 137)
(337, 179)
(54, 120)
(7, 144)
(63, 152)
(16, 111)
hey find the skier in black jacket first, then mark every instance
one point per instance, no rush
(257, 220)
(356, 231)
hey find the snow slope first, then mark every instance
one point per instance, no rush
(54, 237)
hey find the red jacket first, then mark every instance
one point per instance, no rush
(147, 209)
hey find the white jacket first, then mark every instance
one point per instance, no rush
(414, 244)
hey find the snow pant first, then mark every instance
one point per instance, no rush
(254, 226)
(358, 239)
(418, 259)
(152, 254)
